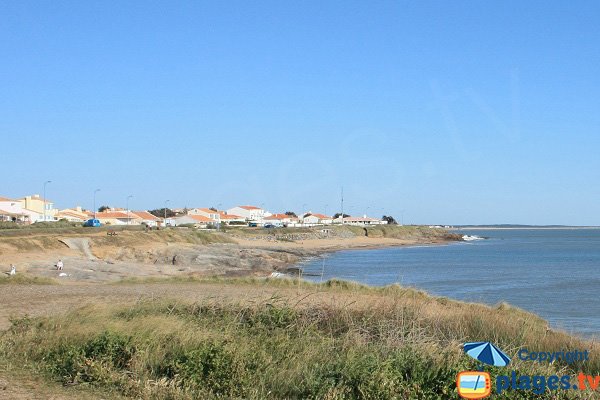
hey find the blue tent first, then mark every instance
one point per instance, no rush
(487, 353)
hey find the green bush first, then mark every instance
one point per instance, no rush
(209, 367)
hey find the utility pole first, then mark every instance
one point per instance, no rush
(128, 197)
(342, 216)
(45, 183)
(95, 191)
(165, 220)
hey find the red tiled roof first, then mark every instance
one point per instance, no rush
(320, 216)
(145, 215)
(114, 214)
(250, 208)
(280, 216)
(71, 214)
(201, 218)
(230, 216)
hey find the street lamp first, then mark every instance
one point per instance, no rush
(367, 211)
(402, 217)
(165, 220)
(128, 197)
(95, 191)
(45, 183)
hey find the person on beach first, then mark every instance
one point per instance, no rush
(59, 265)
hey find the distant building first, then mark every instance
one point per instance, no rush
(360, 221)
(207, 212)
(40, 206)
(12, 210)
(316, 219)
(199, 221)
(250, 213)
(116, 218)
(76, 214)
(144, 217)
(230, 219)
(281, 220)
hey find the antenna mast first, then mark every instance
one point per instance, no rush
(342, 216)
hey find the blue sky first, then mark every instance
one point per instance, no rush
(455, 112)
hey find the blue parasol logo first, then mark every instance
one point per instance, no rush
(487, 353)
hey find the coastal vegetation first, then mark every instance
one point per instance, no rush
(336, 340)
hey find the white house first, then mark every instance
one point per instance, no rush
(360, 221)
(197, 220)
(144, 217)
(316, 219)
(116, 218)
(207, 212)
(230, 218)
(43, 207)
(250, 213)
(13, 210)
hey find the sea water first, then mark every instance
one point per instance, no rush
(554, 273)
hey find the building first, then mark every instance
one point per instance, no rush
(76, 214)
(316, 219)
(249, 213)
(40, 206)
(199, 221)
(281, 220)
(12, 210)
(116, 218)
(207, 212)
(360, 221)
(145, 218)
(230, 219)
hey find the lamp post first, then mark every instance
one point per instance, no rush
(165, 220)
(45, 183)
(95, 191)
(402, 217)
(219, 216)
(128, 197)
(367, 211)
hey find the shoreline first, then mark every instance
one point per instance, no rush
(498, 228)
(97, 258)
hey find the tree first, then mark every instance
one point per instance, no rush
(103, 208)
(160, 213)
(337, 215)
(291, 214)
(390, 220)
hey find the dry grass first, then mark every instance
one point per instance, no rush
(351, 341)
(25, 279)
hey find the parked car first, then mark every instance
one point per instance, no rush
(93, 223)
(269, 226)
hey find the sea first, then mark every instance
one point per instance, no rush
(554, 273)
